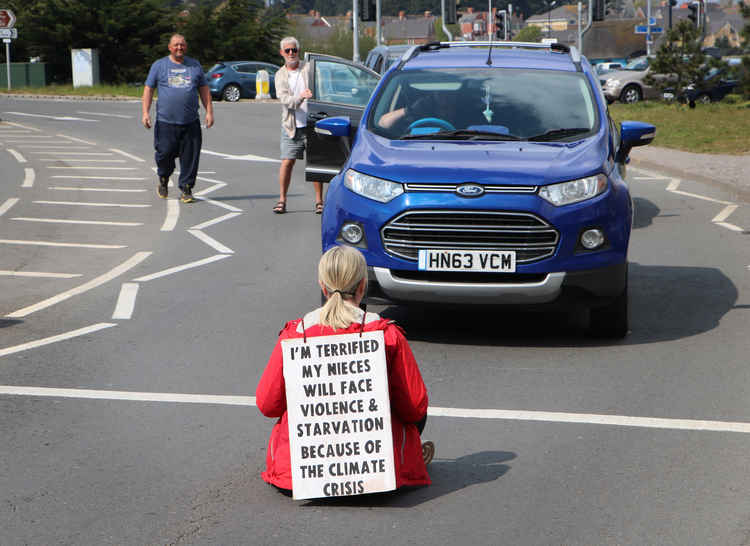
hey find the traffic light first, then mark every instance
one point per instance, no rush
(598, 10)
(367, 10)
(500, 27)
(693, 15)
(450, 12)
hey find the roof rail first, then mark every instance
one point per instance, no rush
(575, 55)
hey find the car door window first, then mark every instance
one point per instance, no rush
(245, 68)
(343, 83)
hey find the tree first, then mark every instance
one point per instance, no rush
(744, 71)
(128, 34)
(529, 33)
(679, 61)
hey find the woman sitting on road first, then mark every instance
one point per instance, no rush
(342, 275)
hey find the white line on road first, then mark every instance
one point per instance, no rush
(703, 197)
(216, 220)
(90, 167)
(56, 118)
(8, 203)
(730, 227)
(724, 214)
(173, 213)
(15, 124)
(126, 301)
(126, 154)
(246, 157)
(95, 177)
(84, 204)
(674, 184)
(223, 400)
(210, 241)
(28, 178)
(89, 222)
(74, 139)
(68, 153)
(39, 274)
(127, 265)
(19, 157)
(88, 160)
(215, 187)
(179, 268)
(69, 188)
(54, 243)
(218, 204)
(106, 115)
(52, 339)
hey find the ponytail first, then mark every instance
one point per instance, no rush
(340, 271)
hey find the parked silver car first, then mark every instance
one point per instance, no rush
(627, 83)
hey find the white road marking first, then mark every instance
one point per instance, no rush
(218, 203)
(90, 167)
(724, 214)
(673, 184)
(126, 301)
(84, 204)
(26, 137)
(649, 177)
(106, 115)
(210, 241)
(130, 156)
(28, 178)
(223, 400)
(15, 124)
(89, 222)
(127, 265)
(67, 188)
(730, 227)
(56, 118)
(8, 203)
(87, 160)
(68, 153)
(216, 220)
(74, 139)
(95, 177)
(173, 213)
(217, 184)
(55, 243)
(39, 274)
(19, 157)
(53, 339)
(179, 268)
(702, 197)
(246, 157)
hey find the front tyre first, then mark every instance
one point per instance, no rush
(631, 94)
(611, 320)
(231, 93)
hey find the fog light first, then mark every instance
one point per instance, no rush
(352, 233)
(592, 238)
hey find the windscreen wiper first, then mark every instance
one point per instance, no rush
(554, 134)
(462, 134)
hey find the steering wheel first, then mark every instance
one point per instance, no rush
(431, 121)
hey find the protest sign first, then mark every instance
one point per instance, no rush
(339, 415)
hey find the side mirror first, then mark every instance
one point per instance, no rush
(632, 134)
(338, 126)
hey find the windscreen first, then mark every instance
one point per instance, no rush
(484, 103)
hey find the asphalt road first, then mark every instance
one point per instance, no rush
(128, 357)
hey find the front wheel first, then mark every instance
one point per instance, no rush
(611, 320)
(631, 94)
(231, 93)
(703, 98)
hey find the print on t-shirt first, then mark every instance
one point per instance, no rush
(178, 78)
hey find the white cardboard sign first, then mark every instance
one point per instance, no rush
(339, 415)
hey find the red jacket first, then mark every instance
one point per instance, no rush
(408, 396)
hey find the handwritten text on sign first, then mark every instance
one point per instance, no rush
(339, 415)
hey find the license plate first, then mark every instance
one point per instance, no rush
(485, 261)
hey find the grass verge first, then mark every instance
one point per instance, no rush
(107, 91)
(717, 128)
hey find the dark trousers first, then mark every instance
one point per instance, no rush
(183, 141)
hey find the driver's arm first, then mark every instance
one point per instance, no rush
(387, 121)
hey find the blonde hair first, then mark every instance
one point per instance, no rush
(340, 270)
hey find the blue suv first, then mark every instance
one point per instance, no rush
(478, 173)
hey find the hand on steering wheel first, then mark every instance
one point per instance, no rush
(441, 123)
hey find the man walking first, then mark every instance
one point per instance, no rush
(178, 130)
(292, 92)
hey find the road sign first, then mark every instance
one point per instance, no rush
(651, 21)
(6, 40)
(8, 33)
(641, 29)
(656, 30)
(7, 19)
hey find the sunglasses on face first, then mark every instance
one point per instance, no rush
(290, 50)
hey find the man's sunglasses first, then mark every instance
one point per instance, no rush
(289, 50)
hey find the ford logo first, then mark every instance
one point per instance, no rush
(469, 190)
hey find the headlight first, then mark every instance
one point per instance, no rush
(574, 191)
(371, 187)
(612, 83)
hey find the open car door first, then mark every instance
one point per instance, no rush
(339, 88)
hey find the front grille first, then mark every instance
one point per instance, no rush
(469, 277)
(531, 237)
(451, 188)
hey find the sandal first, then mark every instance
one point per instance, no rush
(280, 207)
(318, 207)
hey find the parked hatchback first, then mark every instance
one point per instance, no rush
(627, 84)
(478, 175)
(235, 80)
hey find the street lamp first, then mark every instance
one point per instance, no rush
(550, 5)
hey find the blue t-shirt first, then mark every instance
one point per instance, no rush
(177, 85)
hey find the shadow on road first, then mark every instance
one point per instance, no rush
(666, 303)
(448, 475)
